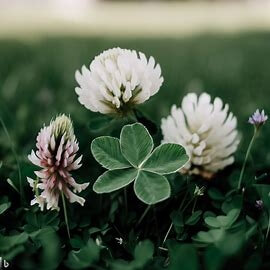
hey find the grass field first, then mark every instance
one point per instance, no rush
(37, 80)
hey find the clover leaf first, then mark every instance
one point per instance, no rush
(136, 143)
(223, 221)
(132, 158)
(84, 257)
(107, 152)
(4, 204)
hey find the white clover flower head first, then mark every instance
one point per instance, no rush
(206, 129)
(56, 151)
(116, 80)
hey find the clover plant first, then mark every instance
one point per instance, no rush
(134, 159)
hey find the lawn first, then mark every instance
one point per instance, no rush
(37, 83)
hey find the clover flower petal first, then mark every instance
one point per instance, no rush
(258, 118)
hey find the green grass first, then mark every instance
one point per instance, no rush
(37, 79)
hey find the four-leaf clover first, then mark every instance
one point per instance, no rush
(133, 158)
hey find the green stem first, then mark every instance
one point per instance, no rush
(170, 228)
(246, 158)
(194, 205)
(268, 227)
(143, 215)
(125, 202)
(187, 205)
(131, 116)
(167, 234)
(65, 213)
(156, 223)
(15, 155)
(180, 207)
(183, 201)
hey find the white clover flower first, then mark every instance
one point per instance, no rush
(116, 80)
(206, 130)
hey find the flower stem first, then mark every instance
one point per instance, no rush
(194, 204)
(125, 201)
(246, 158)
(143, 215)
(180, 207)
(65, 213)
(15, 155)
(156, 224)
(170, 228)
(167, 234)
(268, 227)
(131, 116)
(183, 201)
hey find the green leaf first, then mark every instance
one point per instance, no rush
(230, 203)
(223, 221)
(166, 158)
(151, 188)
(183, 256)
(50, 253)
(4, 207)
(13, 252)
(213, 258)
(37, 221)
(209, 237)
(8, 242)
(113, 180)
(212, 222)
(4, 204)
(136, 143)
(194, 218)
(107, 152)
(227, 221)
(143, 252)
(84, 257)
(77, 242)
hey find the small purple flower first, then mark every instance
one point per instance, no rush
(258, 119)
(259, 204)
